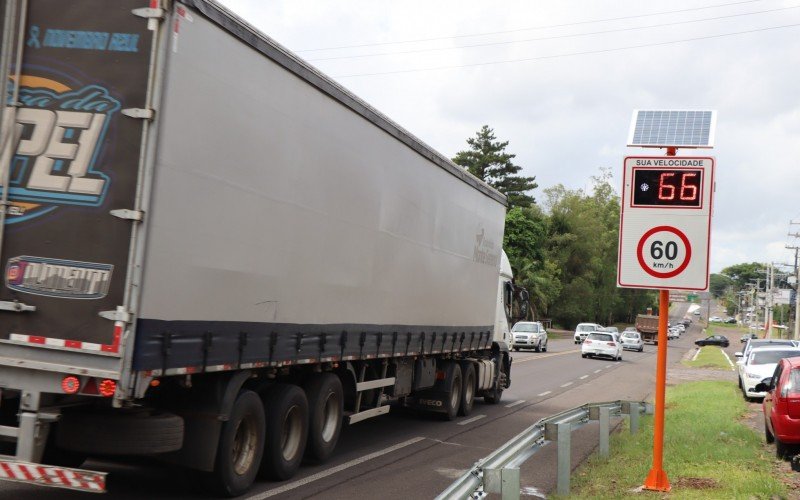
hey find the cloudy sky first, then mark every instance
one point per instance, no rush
(559, 80)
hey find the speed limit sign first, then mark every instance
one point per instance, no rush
(665, 222)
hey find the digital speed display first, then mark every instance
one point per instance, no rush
(667, 187)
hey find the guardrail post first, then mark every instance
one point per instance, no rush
(634, 417)
(564, 458)
(510, 483)
(605, 415)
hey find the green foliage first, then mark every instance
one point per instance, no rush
(719, 284)
(487, 160)
(742, 274)
(567, 256)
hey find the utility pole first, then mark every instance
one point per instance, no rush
(796, 284)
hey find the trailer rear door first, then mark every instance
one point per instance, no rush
(76, 69)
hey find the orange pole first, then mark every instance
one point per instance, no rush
(657, 479)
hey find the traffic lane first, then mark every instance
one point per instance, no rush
(449, 458)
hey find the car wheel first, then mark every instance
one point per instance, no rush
(767, 434)
(544, 349)
(781, 449)
(537, 349)
(583, 355)
(516, 349)
(641, 349)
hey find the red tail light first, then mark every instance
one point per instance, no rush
(70, 384)
(107, 388)
(587, 341)
(612, 344)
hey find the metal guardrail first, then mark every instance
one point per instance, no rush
(499, 472)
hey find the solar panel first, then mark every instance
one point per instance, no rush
(672, 128)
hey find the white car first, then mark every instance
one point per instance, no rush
(760, 364)
(632, 341)
(601, 344)
(529, 335)
(584, 329)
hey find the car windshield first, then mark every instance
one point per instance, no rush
(770, 357)
(630, 335)
(585, 328)
(604, 337)
(526, 327)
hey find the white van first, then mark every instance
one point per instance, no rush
(584, 329)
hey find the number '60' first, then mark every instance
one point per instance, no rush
(658, 250)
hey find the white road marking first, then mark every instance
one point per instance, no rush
(585, 376)
(598, 370)
(515, 403)
(567, 384)
(334, 470)
(696, 353)
(549, 355)
(545, 393)
(473, 419)
(728, 359)
(608, 366)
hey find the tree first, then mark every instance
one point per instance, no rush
(742, 274)
(487, 160)
(719, 284)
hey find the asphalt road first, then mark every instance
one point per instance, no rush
(406, 454)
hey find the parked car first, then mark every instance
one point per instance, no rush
(761, 363)
(632, 341)
(601, 344)
(754, 343)
(782, 406)
(685, 321)
(673, 333)
(731, 321)
(747, 336)
(584, 329)
(720, 340)
(715, 319)
(612, 329)
(529, 335)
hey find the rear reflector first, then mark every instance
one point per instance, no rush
(70, 384)
(107, 388)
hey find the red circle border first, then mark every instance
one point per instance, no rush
(674, 272)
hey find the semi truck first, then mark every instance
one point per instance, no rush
(215, 256)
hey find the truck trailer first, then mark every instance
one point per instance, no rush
(214, 255)
(647, 326)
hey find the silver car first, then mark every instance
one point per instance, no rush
(632, 341)
(529, 335)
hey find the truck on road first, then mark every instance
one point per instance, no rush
(214, 255)
(647, 326)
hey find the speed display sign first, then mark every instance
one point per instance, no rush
(665, 222)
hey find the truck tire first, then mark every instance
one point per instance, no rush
(493, 395)
(286, 407)
(241, 445)
(120, 433)
(467, 389)
(326, 409)
(453, 389)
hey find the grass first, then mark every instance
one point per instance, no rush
(707, 452)
(709, 357)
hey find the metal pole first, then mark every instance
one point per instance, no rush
(564, 459)
(657, 479)
(796, 299)
(604, 428)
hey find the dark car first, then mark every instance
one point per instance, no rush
(720, 340)
(747, 336)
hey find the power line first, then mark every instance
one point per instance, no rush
(554, 37)
(577, 23)
(571, 54)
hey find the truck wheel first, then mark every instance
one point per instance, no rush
(286, 407)
(325, 405)
(241, 444)
(493, 395)
(467, 389)
(453, 386)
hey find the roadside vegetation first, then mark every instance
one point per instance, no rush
(709, 357)
(708, 453)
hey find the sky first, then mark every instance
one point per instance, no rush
(559, 81)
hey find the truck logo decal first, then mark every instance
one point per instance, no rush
(58, 278)
(59, 136)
